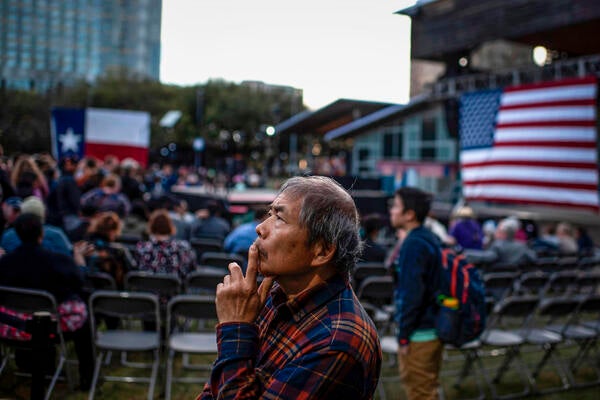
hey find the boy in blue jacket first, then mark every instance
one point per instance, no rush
(417, 272)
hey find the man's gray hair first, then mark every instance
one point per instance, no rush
(329, 214)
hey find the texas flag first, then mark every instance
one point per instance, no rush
(96, 132)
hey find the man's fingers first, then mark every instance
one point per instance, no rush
(252, 269)
(226, 280)
(264, 289)
(236, 272)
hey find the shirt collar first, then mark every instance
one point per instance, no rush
(311, 299)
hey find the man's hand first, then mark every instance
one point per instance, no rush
(238, 297)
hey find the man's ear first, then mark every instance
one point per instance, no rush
(411, 215)
(322, 254)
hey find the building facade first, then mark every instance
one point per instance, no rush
(44, 44)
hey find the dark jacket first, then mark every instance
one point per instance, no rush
(31, 266)
(417, 277)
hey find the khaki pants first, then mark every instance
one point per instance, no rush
(419, 370)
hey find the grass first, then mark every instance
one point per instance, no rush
(14, 387)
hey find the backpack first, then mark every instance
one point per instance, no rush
(464, 320)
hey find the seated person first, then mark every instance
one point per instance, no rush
(372, 251)
(162, 253)
(54, 238)
(505, 250)
(242, 237)
(108, 256)
(32, 266)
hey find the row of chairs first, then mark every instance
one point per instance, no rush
(189, 319)
(501, 284)
(538, 326)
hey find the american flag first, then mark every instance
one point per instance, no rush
(531, 144)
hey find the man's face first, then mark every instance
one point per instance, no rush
(397, 215)
(282, 242)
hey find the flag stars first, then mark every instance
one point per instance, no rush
(69, 141)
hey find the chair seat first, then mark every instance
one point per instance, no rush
(389, 344)
(473, 344)
(127, 340)
(193, 342)
(595, 325)
(540, 336)
(496, 337)
(577, 332)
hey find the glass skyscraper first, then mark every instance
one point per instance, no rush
(45, 43)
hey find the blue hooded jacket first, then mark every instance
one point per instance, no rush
(418, 276)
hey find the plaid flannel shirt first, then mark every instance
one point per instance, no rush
(319, 345)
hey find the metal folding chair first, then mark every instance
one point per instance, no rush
(190, 331)
(499, 284)
(203, 281)
(532, 283)
(29, 301)
(550, 311)
(221, 260)
(364, 270)
(101, 281)
(509, 312)
(205, 245)
(133, 309)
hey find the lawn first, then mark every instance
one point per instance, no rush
(18, 387)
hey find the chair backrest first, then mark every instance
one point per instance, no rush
(203, 280)
(378, 290)
(129, 239)
(126, 305)
(366, 269)
(27, 300)
(587, 282)
(590, 304)
(561, 283)
(531, 282)
(191, 307)
(499, 284)
(204, 245)
(515, 307)
(101, 281)
(165, 285)
(222, 260)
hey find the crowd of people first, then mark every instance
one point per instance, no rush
(63, 220)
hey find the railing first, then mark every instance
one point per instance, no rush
(570, 68)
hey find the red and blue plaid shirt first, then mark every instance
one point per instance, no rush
(318, 345)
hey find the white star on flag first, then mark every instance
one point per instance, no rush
(69, 141)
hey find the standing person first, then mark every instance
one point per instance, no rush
(63, 202)
(418, 277)
(309, 337)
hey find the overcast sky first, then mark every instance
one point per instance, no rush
(357, 49)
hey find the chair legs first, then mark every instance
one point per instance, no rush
(512, 354)
(151, 380)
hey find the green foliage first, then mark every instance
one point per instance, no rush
(25, 116)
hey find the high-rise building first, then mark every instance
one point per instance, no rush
(44, 44)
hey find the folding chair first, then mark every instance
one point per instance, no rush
(506, 342)
(29, 301)
(550, 311)
(469, 355)
(364, 270)
(532, 283)
(499, 284)
(184, 312)
(561, 283)
(204, 245)
(164, 285)
(133, 309)
(101, 281)
(221, 260)
(376, 294)
(582, 332)
(587, 282)
(203, 281)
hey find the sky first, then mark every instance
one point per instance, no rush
(331, 49)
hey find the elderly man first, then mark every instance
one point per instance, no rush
(308, 337)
